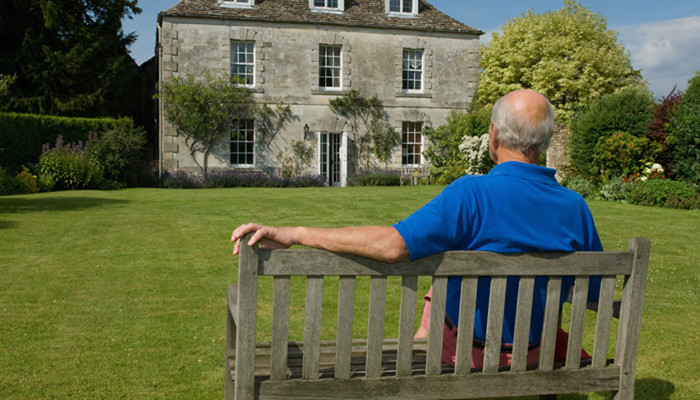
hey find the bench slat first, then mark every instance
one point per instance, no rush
(578, 318)
(465, 334)
(312, 326)
(521, 336)
(245, 335)
(603, 321)
(407, 318)
(452, 263)
(550, 324)
(280, 327)
(437, 325)
(375, 329)
(494, 327)
(346, 304)
(474, 386)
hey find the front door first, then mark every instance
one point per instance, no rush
(332, 160)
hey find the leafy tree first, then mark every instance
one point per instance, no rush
(684, 138)
(568, 55)
(385, 139)
(367, 122)
(70, 57)
(629, 111)
(203, 109)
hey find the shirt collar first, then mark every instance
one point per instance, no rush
(526, 171)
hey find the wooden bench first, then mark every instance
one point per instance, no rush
(415, 174)
(404, 368)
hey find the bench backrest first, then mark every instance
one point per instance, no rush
(630, 265)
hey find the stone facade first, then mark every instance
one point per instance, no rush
(286, 36)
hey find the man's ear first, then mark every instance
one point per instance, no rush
(493, 136)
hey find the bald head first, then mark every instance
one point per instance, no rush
(524, 120)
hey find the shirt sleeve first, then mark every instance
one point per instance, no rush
(438, 226)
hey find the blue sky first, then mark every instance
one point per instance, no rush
(663, 37)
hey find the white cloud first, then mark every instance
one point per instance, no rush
(667, 52)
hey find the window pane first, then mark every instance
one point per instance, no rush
(411, 143)
(412, 70)
(243, 61)
(243, 142)
(329, 66)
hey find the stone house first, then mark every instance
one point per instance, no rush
(419, 62)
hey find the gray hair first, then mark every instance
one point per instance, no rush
(519, 132)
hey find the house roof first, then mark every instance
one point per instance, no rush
(358, 13)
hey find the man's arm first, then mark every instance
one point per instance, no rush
(382, 243)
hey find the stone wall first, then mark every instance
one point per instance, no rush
(558, 152)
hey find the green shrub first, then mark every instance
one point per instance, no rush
(69, 166)
(10, 184)
(629, 110)
(586, 187)
(684, 138)
(376, 179)
(118, 150)
(615, 189)
(29, 180)
(664, 192)
(446, 159)
(622, 154)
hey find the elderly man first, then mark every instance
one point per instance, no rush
(517, 207)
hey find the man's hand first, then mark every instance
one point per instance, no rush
(269, 237)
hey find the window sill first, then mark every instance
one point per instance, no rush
(327, 92)
(414, 95)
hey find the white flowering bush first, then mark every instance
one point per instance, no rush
(475, 150)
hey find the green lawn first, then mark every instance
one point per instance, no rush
(122, 294)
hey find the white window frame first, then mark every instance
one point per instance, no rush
(325, 8)
(236, 3)
(245, 63)
(405, 142)
(408, 69)
(402, 4)
(250, 128)
(338, 68)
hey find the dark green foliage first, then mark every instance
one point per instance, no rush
(70, 57)
(664, 192)
(118, 151)
(376, 179)
(10, 184)
(684, 138)
(23, 135)
(629, 110)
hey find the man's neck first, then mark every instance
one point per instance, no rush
(504, 155)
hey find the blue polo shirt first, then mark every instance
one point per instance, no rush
(516, 208)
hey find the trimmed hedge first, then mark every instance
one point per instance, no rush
(22, 135)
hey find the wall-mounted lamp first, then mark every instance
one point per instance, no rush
(306, 132)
